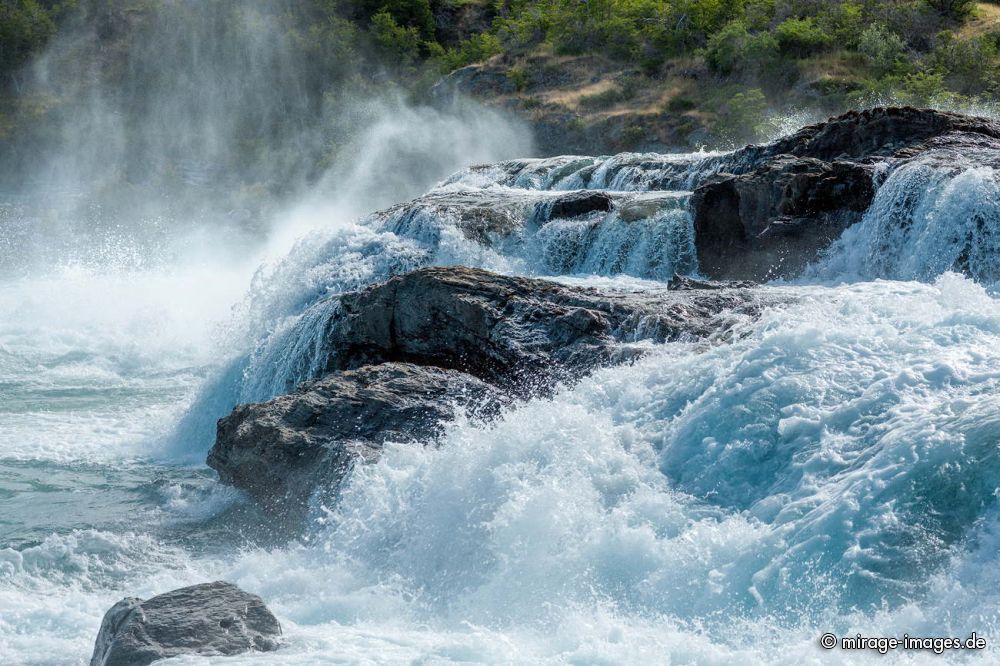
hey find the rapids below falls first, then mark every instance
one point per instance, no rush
(834, 467)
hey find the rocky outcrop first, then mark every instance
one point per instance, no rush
(879, 132)
(772, 208)
(773, 221)
(280, 450)
(212, 619)
(414, 352)
(518, 333)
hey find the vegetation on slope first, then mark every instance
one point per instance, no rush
(646, 73)
(724, 63)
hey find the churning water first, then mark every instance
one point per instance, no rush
(835, 468)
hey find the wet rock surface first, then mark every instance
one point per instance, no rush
(773, 221)
(411, 354)
(211, 619)
(772, 209)
(281, 449)
(518, 333)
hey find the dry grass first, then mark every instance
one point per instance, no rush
(985, 19)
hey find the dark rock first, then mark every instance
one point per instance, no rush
(414, 352)
(581, 203)
(773, 208)
(518, 333)
(211, 619)
(773, 221)
(878, 132)
(685, 283)
(281, 449)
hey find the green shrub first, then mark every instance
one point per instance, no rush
(475, 49)
(965, 63)
(956, 9)
(743, 115)
(923, 88)
(519, 78)
(734, 50)
(726, 47)
(883, 50)
(633, 136)
(398, 41)
(680, 104)
(845, 22)
(801, 37)
(407, 13)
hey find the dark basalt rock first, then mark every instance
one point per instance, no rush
(281, 449)
(211, 619)
(412, 353)
(519, 333)
(774, 207)
(581, 203)
(879, 132)
(773, 221)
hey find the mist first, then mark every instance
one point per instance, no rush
(185, 131)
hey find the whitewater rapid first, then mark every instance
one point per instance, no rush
(832, 468)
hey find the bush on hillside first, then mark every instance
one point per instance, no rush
(961, 62)
(741, 118)
(957, 9)
(400, 42)
(25, 26)
(885, 51)
(800, 37)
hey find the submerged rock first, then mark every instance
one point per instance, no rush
(771, 209)
(280, 449)
(580, 203)
(211, 619)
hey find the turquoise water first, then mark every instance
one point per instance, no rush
(835, 467)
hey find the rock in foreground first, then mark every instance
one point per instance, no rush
(279, 450)
(211, 619)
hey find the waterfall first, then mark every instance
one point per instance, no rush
(930, 216)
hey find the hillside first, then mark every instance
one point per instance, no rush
(590, 77)
(649, 74)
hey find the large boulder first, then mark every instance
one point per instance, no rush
(771, 209)
(773, 221)
(280, 450)
(211, 619)
(410, 354)
(518, 333)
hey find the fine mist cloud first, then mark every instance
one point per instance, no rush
(175, 126)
